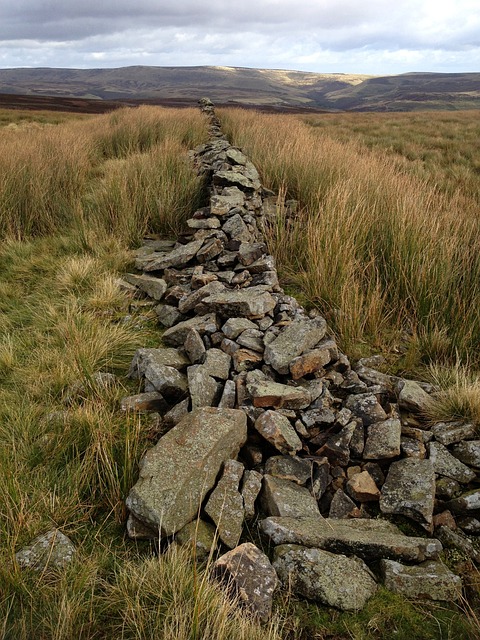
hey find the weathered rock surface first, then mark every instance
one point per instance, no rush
(368, 539)
(321, 576)
(429, 581)
(178, 472)
(225, 505)
(52, 550)
(277, 429)
(286, 498)
(248, 572)
(252, 303)
(383, 440)
(294, 340)
(199, 536)
(412, 397)
(447, 465)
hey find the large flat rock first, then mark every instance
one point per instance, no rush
(178, 472)
(253, 302)
(368, 539)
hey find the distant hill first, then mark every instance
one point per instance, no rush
(267, 88)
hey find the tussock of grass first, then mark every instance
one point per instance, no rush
(382, 253)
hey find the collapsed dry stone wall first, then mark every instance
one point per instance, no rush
(266, 422)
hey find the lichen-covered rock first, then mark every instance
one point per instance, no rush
(225, 505)
(412, 397)
(293, 341)
(368, 539)
(52, 550)
(452, 432)
(332, 579)
(285, 498)
(429, 581)
(199, 536)
(447, 465)
(178, 257)
(468, 452)
(277, 430)
(290, 467)
(153, 287)
(253, 302)
(178, 472)
(248, 573)
(273, 394)
(366, 407)
(383, 440)
(175, 336)
(409, 490)
(251, 487)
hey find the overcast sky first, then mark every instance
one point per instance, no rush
(351, 36)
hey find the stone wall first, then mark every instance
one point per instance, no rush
(266, 422)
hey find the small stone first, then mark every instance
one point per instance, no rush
(248, 573)
(413, 448)
(427, 581)
(383, 440)
(235, 227)
(337, 448)
(251, 486)
(469, 525)
(189, 301)
(245, 359)
(289, 468)
(252, 339)
(168, 315)
(278, 430)
(276, 395)
(203, 223)
(447, 465)
(49, 550)
(342, 506)
(225, 505)
(168, 381)
(176, 335)
(285, 498)
(412, 397)
(210, 249)
(447, 488)
(469, 501)
(362, 487)
(309, 362)
(249, 252)
(144, 402)
(320, 477)
(366, 407)
(409, 490)
(199, 536)
(176, 413)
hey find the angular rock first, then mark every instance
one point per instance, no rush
(176, 413)
(458, 540)
(285, 498)
(190, 300)
(320, 576)
(413, 448)
(383, 440)
(52, 550)
(298, 337)
(412, 397)
(220, 205)
(452, 432)
(248, 573)
(276, 395)
(251, 486)
(252, 339)
(428, 581)
(154, 287)
(144, 357)
(144, 402)
(468, 452)
(229, 396)
(250, 252)
(362, 487)
(447, 465)
(217, 364)
(469, 501)
(234, 178)
(175, 336)
(177, 473)
(366, 407)
(409, 490)
(309, 362)
(320, 477)
(368, 539)
(236, 228)
(277, 429)
(136, 530)
(168, 315)
(290, 468)
(199, 536)
(253, 302)
(178, 257)
(194, 347)
(170, 382)
(233, 327)
(337, 447)
(342, 506)
(447, 488)
(210, 249)
(225, 505)
(204, 389)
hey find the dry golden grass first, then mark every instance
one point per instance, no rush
(383, 253)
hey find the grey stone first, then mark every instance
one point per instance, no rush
(194, 347)
(469, 525)
(320, 477)
(273, 394)
(178, 472)
(137, 530)
(290, 468)
(366, 407)
(144, 357)
(458, 540)
(234, 178)
(217, 364)
(176, 413)
(468, 452)
(178, 257)
(235, 156)
(430, 580)
(236, 228)
(153, 287)
(293, 341)
(253, 302)
(383, 440)
(168, 381)
(203, 223)
(144, 402)
(211, 249)
(337, 447)
(285, 498)
(412, 448)
(225, 505)
(190, 301)
(175, 336)
(342, 506)
(277, 430)
(452, 432)
(409, 490)
(222, 204)
(233, 327)
(368, 539)
(250, 252)
(469, 501)
(320, 576)
(310, 362)
(204, 390)
(251, 486)
(198, 536)
(229, 395)
(168, 315)
(248, 573)
(412, 397)
(252, 339)
(375, 378)
(52, 550)
(447, 465)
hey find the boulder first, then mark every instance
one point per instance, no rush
(320, 576)
(178, 472)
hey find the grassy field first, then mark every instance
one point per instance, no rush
(74, 199)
